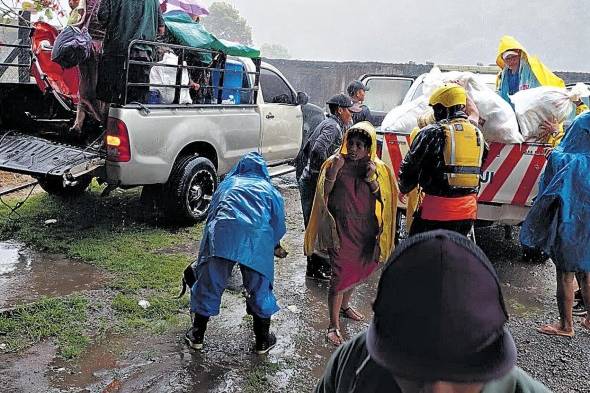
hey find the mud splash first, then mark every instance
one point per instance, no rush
(26, 276)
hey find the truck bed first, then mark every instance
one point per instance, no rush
(37, 157)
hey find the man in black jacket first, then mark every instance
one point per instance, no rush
(317, 147)
(447, 334)
(356, 90)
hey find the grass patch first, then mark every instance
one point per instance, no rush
(116, 233)
(63, 319)
(258, 379)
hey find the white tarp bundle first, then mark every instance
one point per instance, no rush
(167, 76)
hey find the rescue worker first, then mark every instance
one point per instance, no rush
(324, 141)
(245, 224)
(521, 71)
(445, 160)
(357, 90)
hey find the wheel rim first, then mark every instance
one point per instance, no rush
(200, 192)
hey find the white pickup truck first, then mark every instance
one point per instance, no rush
(511, 172)
(176, 151)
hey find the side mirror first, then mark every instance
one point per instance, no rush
(302, 98)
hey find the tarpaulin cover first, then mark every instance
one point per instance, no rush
(193, 34)
(558, 221)
(246, 218)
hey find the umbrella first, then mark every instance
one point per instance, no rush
(191, 7)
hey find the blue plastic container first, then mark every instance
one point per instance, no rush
(232, 81)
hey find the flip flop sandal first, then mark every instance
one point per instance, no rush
(550, 330)
(338, 336)
(585, 324)
(346, 313)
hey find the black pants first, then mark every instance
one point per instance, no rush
(307, 189)
(420, 225)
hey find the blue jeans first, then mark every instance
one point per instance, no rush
(212, 276)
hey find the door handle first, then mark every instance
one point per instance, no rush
(270, 116)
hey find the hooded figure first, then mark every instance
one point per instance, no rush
(521, 71)
(558, 221)
(246, 221)
(352, 219)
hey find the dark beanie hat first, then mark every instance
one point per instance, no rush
(439, 313)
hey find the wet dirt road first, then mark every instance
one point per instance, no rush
(143, 363)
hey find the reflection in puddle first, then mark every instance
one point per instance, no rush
(26, 276)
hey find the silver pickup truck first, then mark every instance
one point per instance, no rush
(178, 151)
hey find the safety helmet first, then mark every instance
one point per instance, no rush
(448, 95)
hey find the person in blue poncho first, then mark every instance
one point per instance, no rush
(245, 224)
(558, 221)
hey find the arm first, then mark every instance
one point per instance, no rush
(277, 220)
(161, 24)
(411, 165)
(319, 148)
(331, 173)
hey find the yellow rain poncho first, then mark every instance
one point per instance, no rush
(321, 233)
(544, 75)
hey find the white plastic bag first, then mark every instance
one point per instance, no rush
(545, 103)
(405, 117)
(167, 76)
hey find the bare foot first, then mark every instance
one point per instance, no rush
(586, 323)
(555, 329)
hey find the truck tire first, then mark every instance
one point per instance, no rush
(189, 189)
(53, 185)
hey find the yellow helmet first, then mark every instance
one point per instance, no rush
(448, 95)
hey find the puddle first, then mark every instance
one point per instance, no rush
(26, 276)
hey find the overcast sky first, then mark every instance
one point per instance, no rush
(443, 31)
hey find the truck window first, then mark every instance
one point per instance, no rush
(274, 88)
(386, 93)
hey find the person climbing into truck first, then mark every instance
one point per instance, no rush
(445, 160)
(245, 224)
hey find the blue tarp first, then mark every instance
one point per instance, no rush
(246, 218)
(559, 221)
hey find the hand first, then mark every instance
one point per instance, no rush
(337, 164)
(371, 169)
(280, 252)
(548, 127)
(547, 151)
(195, 86)
(161, 30)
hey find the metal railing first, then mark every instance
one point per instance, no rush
(21, 48)
(216, 65)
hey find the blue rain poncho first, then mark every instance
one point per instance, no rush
(558, 221)
(246, 218)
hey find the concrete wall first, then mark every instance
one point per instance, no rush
(321, 79)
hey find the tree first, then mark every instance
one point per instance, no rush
(274, 51)
(225, 22)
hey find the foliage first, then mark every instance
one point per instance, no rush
(274, 51)
(48, 7)
(225, 22)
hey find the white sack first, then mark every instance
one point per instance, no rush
(545, 103)
(404, 118)
(167, 76)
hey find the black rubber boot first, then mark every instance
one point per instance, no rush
(196, 334)
(264, 339)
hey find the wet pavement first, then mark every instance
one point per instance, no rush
(145, 363)
(26, 276)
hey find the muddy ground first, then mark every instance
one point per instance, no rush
(143, 362)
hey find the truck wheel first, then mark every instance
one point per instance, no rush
(400, 227)
(53, 185)
(190, 188)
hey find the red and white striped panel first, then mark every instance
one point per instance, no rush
(511, 173)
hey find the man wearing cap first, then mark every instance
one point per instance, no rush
(445, 160)
(356, 90)
(321, 143)
(446, 335)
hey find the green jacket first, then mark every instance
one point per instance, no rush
(351, 370)
(127, 20)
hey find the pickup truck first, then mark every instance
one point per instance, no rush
(176, 151)
(511, 172)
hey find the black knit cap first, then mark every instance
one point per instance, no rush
(439, 313)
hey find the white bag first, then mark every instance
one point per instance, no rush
(404, 118)
(167, 76)
(545, 103)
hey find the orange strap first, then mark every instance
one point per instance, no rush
(437, 208)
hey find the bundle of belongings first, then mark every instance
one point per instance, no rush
(499, 122)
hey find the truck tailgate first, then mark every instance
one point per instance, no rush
(39, 157)
(510, 176)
